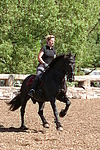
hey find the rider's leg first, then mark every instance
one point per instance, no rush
(35, 82)
(33, 87)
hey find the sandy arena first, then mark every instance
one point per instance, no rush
(81, 127)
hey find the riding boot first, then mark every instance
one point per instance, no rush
(33, 87)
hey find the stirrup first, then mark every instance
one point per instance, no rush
(31, 92)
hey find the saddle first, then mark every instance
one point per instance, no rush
(31, 79)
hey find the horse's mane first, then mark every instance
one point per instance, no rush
(56, 60)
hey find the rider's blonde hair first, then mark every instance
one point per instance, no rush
(48, 37)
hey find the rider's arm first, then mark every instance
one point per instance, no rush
(40, 57)
(41, 60)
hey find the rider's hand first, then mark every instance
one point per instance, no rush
(46, 65)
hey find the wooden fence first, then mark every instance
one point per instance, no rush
(85, 81)
(9, 79)
(8, 91)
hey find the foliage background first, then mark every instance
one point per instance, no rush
(25, 23)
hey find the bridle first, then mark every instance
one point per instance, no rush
(58, 73)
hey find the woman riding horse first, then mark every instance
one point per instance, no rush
(48, 89)
(45, 57)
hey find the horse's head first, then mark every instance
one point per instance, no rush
(69, 66)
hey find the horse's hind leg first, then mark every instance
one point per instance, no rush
(22, 115)
(40, 112)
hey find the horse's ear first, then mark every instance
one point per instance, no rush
(70, 54)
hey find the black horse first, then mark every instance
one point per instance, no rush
(51, 86)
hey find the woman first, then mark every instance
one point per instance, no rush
(45, 57)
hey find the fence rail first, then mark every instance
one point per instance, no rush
(85, 80)
(9, 79)
(8, 91)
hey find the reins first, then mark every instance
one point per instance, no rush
(56, 72)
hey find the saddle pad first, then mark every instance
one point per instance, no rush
(30, 81)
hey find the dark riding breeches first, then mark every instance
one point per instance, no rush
(40, 70)
(35, 82)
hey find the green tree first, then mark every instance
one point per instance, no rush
(23, 24)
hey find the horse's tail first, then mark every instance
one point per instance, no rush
(15, 103)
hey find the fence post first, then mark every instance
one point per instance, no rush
(87, 83)
(9, 81)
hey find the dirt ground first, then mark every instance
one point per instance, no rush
(81, 127)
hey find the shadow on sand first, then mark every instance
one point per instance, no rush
(13, 129)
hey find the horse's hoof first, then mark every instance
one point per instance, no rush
(62, 113)
(46, 125)
(60, 129)
(23, 128)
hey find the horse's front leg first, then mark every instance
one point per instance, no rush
(54, 107)
(64, 111)
(40, 112)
